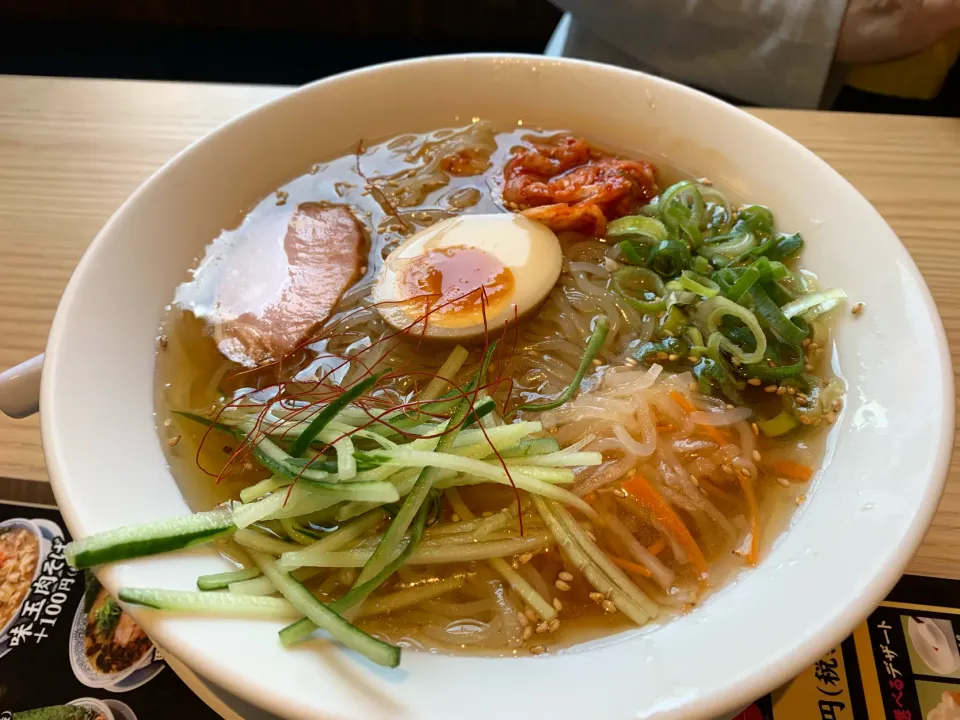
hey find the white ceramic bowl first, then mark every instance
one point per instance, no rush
(866, 514)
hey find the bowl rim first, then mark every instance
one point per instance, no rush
(762, 678)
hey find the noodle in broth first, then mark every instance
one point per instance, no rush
(672, 456)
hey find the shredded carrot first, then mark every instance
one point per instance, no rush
(790, 470)
(657, 547)
(714, 433)
(666, 428)
(631, 567)
(714, 490)
(647, 495)
(747, 485)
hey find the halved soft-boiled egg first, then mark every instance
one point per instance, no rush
(466, 275)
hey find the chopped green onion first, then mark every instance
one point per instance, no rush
(681, 209)
(698, 284)
(637, 226)
(669, 258)
(630, 253)
(785, 247)
(814, 304)
(725, 308)
(777, 426)
(641, 288)
(746, 281)
(780, 325)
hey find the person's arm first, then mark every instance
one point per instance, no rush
(768, 52)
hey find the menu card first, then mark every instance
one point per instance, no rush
(69, 652)
(902, 663)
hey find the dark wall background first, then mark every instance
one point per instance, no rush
(258, 41)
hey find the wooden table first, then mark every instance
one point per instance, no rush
(72, 150)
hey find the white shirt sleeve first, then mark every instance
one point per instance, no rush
(767, 52)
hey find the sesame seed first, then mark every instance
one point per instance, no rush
(662, 356)
(831, 417)
(162, 341)
(247, 465)
(173, 441)
(745, 472)
(781, 390)
(736, 362)
(692, 387)
(756, 382)
(631, 361)
(522, 619)
(609, 607)
(561, 585)
(727, 469)
(808, 367)
(756, 455)
(557, 605)
(800, 400)
(531, 614)
(770, 388)
(837, 405)
(454, 518)
(731, 406)
(620, 493)
(792, 390)
(694, 358)
(755, 428)
(784, 482)
(564, 575)
(486, 514)
(806, 342)
(673, 357)
(693, 479)
(167, 422)
(813, 346)
(593, 538)
(801, 499)
(538, 649)
(857, 309)
(525, 558)
(527, 632)
(597, 597)
(542, 628)
(554, 625)
(597, 362)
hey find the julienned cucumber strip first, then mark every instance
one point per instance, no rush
(160, 536)
(329, 412)
(219, 581)
(304, 601)
(212, 603)
(301, 629)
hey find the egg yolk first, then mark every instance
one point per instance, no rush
(447, 282)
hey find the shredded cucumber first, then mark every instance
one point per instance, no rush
(160, 536)
(322, 616)
(211, 603)
(219, 581)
